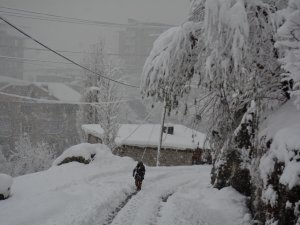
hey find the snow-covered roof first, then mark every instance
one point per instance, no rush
(147, 135)
(59, 90)
(63, 92)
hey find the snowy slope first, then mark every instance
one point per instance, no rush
(103, 193)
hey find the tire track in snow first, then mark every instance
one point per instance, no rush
(164, 200)
(113, 214)
(145, 207)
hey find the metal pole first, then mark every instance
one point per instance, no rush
(161, 131)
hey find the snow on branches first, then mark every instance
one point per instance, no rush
(289, 43)
(226, 30)
(29, 158)
(102, 91)
(169, 66)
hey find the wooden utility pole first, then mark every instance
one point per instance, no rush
(161, 131)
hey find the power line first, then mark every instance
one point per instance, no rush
(67, 51)
(64, 57)
(48, 101)
(30, 60)
(33, 60)
(18, 15)
(53, 17)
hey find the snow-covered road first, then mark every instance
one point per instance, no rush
(104, 193)
(180, 195)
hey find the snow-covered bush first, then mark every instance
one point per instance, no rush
(289, 43)
(82, 153)
(88, 153)
(28, 158)
(5, 186)
(280, 173)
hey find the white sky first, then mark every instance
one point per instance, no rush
(78, 37)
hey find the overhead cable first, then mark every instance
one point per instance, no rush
(64, 57)
(52, 17)
(49, 101)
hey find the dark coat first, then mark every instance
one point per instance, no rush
(139, 171)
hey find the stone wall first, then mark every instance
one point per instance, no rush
(168, 157)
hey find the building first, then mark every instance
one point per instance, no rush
(12, 46)
(52, 123)
(180, 146)
(136, 41)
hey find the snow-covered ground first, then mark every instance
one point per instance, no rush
(103, 192)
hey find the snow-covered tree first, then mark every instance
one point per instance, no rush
(28, 158)
(109, 108)
(102, 93)
(170, 65)
(229, 49)
(289, 43)
(236, 63)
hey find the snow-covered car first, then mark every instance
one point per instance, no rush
(5, 186)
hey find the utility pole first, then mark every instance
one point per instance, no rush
(161, 131)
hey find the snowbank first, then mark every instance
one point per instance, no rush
(72, 193)
(87, 151)
(5, 185)
(194, 203)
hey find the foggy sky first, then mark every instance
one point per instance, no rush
(78, 37)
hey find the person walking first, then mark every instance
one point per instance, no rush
(138, 174)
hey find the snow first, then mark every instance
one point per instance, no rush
(59, 90)
(288, 42)
(232, 14)
(284, 128)
(168, 67)
(147, 135)
(63, 92)
(5, 184)
(102, 192)
(270, 196)
(84, 150)
(286, 116)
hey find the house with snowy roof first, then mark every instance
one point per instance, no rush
(54, 123)
(180, 145)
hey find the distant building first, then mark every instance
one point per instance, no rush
(181, 145)
(52, 123)
(11, 45)
(136, 41)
